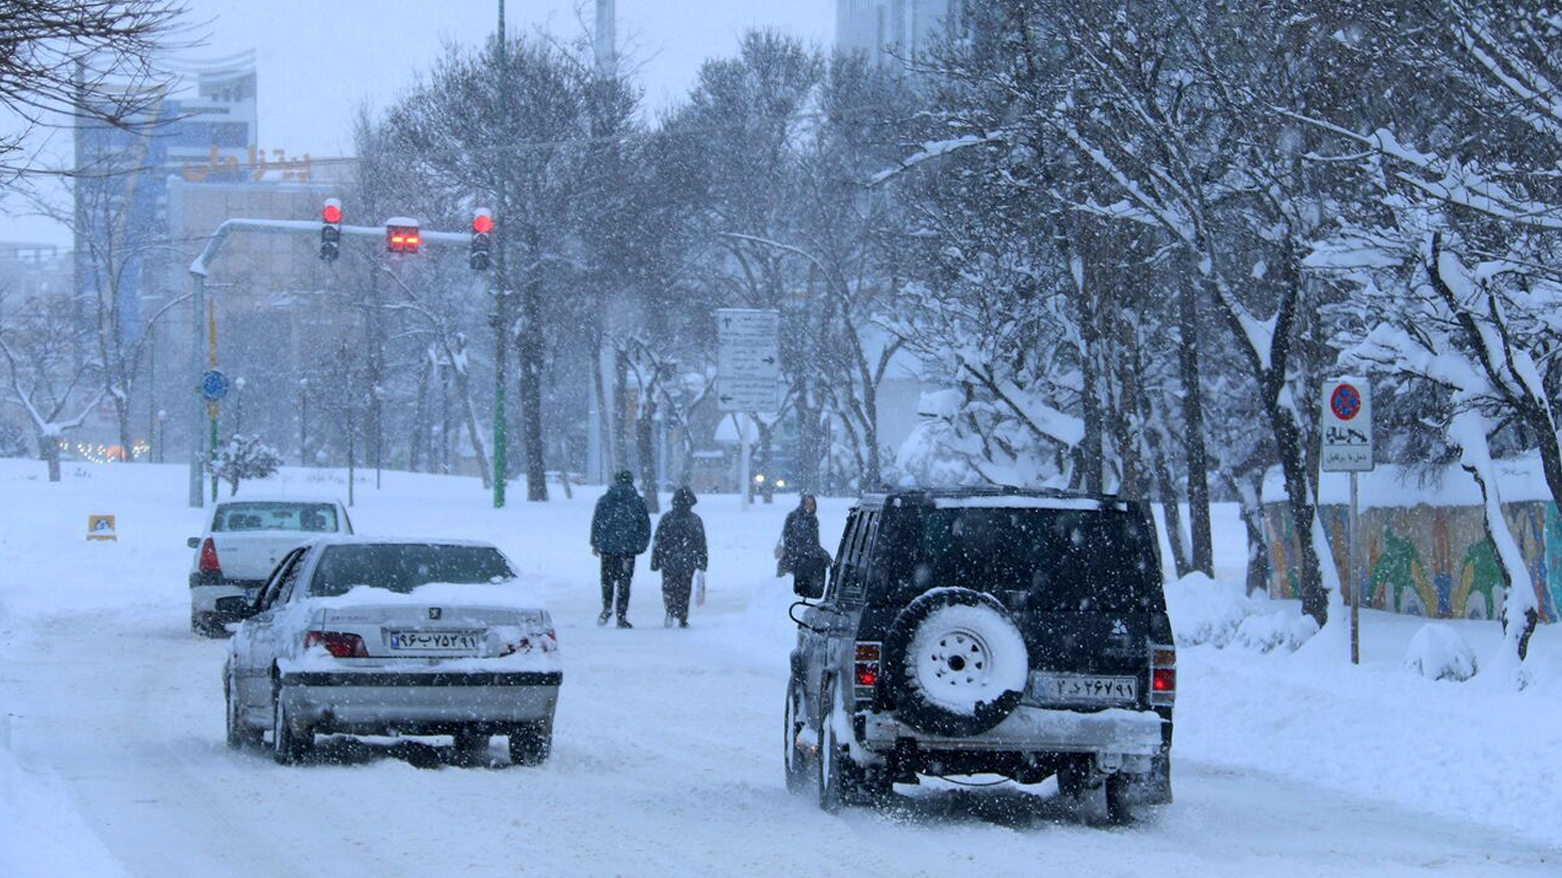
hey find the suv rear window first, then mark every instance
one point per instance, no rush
(1051, 560)
(310, 517)
(404, 567)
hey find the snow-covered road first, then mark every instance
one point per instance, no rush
(666, 758)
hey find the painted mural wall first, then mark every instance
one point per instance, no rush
(1429, 560)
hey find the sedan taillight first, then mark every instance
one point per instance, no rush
(339, 644)
(209, 562)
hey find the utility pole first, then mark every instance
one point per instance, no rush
(501, 300)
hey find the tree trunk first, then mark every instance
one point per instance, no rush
(645, 448)
(49, 451)
(1193, 414)
(621, 417)
(1304, 512)
(532, 351)
(464, 391)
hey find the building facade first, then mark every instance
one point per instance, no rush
(891, 29)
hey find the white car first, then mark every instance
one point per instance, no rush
(243, 542)
(394, 637)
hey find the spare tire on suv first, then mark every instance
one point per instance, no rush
(956, 661)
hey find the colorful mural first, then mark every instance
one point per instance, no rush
(1427, 560)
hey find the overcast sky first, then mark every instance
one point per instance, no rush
(317, 59)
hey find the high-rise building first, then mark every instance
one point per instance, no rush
(891, 29)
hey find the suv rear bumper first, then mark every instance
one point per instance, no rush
(1033, 730)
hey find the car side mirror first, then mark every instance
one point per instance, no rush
(193, 542)
(808, 588)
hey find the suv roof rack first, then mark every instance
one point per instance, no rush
(920, 496)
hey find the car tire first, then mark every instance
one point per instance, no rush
(202, 627)
(957, 663)
(794, 756)
(1119, 807)
(240, 735)
(839, 779)
(1074, 779)
(531, 743)
(472, 748)
(287, 746)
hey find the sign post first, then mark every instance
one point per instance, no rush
(1346, 428)
(748, 372)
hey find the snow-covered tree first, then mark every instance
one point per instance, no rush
(243, 459)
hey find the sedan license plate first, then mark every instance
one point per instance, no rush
(1076, 688)
(434, 641)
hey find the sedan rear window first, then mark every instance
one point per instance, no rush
(305, 517)
(1051, 560)
(404, 567)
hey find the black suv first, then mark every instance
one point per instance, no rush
(1013, 632)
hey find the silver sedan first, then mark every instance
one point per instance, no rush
(399, 637)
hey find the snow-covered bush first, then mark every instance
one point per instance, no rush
(1220, 613)
(245, 458)
(1437, 652)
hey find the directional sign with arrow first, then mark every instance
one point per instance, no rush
(748, 360)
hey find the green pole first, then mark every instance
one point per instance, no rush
(501, 301)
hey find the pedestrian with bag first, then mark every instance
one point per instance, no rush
(800, 553)
(620, 530)
(679, 551)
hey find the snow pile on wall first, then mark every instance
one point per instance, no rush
(1219, 613)
(1437, 652)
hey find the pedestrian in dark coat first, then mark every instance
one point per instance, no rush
(801, 554)
(620, 530)
(678, 551)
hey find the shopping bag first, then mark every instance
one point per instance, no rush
(699, 588)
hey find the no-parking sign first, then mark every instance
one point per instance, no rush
(1346, 426)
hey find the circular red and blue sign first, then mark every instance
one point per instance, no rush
(1345, 402)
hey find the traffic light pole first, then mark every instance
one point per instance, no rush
(200, 427)
(501, 299)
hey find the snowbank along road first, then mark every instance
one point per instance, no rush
(667, 748)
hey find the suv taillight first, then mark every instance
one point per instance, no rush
(209, 563)
(338, 643)
(1163, 674)
(865, 668)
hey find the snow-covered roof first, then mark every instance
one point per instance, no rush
(1392, 485)
(277, 498)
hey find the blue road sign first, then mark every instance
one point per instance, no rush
(214, 385)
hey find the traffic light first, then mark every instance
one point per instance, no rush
(331, 229)
(482, 225)
(402, 235)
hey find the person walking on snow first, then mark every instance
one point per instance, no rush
(620, 530)
(800, 552)
(678, 551)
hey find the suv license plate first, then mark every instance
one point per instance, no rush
(1075, 688)
(434, 641)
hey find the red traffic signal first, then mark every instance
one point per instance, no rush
(402, 235)
(482, 224)
(331, 229)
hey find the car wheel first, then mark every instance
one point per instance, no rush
(530, 743)
(1074, 779)
(471, 748)
(202, 627)
(288, 746)
(240, 735)
(957, 661)
(1119, 809)
(840, 780)
(794, 755)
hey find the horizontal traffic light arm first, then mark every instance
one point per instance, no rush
(310, 228)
